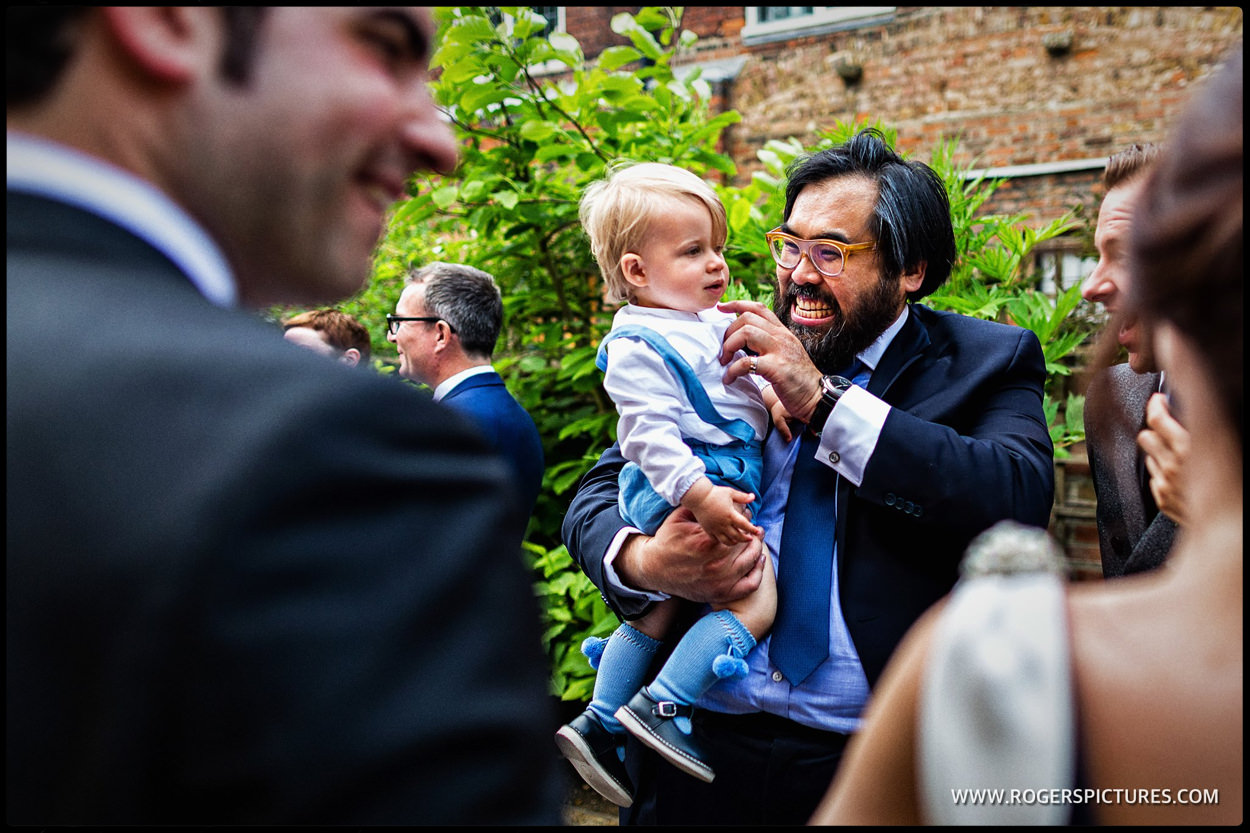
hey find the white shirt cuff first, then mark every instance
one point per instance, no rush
(851, 433)
(614, 581)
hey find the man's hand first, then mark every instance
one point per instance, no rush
(1165, 442)
(781, 358)
(683, 560)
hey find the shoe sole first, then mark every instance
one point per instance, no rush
(574, 747)
(670, 753)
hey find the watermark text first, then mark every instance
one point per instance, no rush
(1055, 795)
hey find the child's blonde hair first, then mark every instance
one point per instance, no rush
(617, 211)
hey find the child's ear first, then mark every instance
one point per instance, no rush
(633, 269)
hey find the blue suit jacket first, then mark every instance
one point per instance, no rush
(965, 445)
(508, 427)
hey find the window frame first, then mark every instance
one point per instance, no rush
(821, 20)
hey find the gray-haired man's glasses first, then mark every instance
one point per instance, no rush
(393, 321)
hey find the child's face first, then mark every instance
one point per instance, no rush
(679, 266)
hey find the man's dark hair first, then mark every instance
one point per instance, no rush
(912, 218)
(40, 40)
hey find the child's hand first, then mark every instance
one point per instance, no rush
(717, 510)
(781, 421)
(781, 416)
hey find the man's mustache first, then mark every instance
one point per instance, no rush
(819, 295)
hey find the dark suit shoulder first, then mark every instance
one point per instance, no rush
(1119, 386)
(1115, 409)
(944, 326)
(270, 539)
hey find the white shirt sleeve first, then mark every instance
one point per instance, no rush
(850, 435)
(609, 569)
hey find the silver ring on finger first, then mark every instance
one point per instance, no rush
(755, 364)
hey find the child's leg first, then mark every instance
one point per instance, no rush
(659, 714)
(696, 663)
(714, 648)
(717, 644)
(627, 656)
(758, 610)
(592, 742)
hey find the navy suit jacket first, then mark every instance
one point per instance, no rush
(245, 584)
(508, 427)
(965, 445)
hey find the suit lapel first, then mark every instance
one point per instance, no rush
(905, 349)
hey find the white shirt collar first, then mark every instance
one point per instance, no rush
(872, 354)
(449, 384)
(48, 169)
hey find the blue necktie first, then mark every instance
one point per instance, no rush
(800, 634)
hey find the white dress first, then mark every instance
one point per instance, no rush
(996, 727)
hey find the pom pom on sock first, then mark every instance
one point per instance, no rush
(592, 649)
(730, 667)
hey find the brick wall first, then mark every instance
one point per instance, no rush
(983, 74)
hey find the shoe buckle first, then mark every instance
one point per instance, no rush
(665, 708)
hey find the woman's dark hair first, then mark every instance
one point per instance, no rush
(912, 218)
(1186, 239)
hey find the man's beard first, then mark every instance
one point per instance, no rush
(834, 346)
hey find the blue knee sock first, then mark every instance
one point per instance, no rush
(713, 648)
(622, 671)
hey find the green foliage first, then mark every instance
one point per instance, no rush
(992, 279)
(574, 611)
(531, 141)
(537, 123)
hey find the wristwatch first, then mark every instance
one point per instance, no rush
(831, 390)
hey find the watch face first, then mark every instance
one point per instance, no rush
(836, 384)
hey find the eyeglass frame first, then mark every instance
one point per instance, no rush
(804, 247)
(393, 321)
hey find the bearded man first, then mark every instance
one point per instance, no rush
(913, 430)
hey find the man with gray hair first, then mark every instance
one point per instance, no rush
(444, 328)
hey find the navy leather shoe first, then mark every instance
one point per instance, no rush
(651, 721)
(591, 749)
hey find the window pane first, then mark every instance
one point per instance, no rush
(552, 13)
(769, 13)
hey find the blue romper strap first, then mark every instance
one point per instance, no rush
(739, 429)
